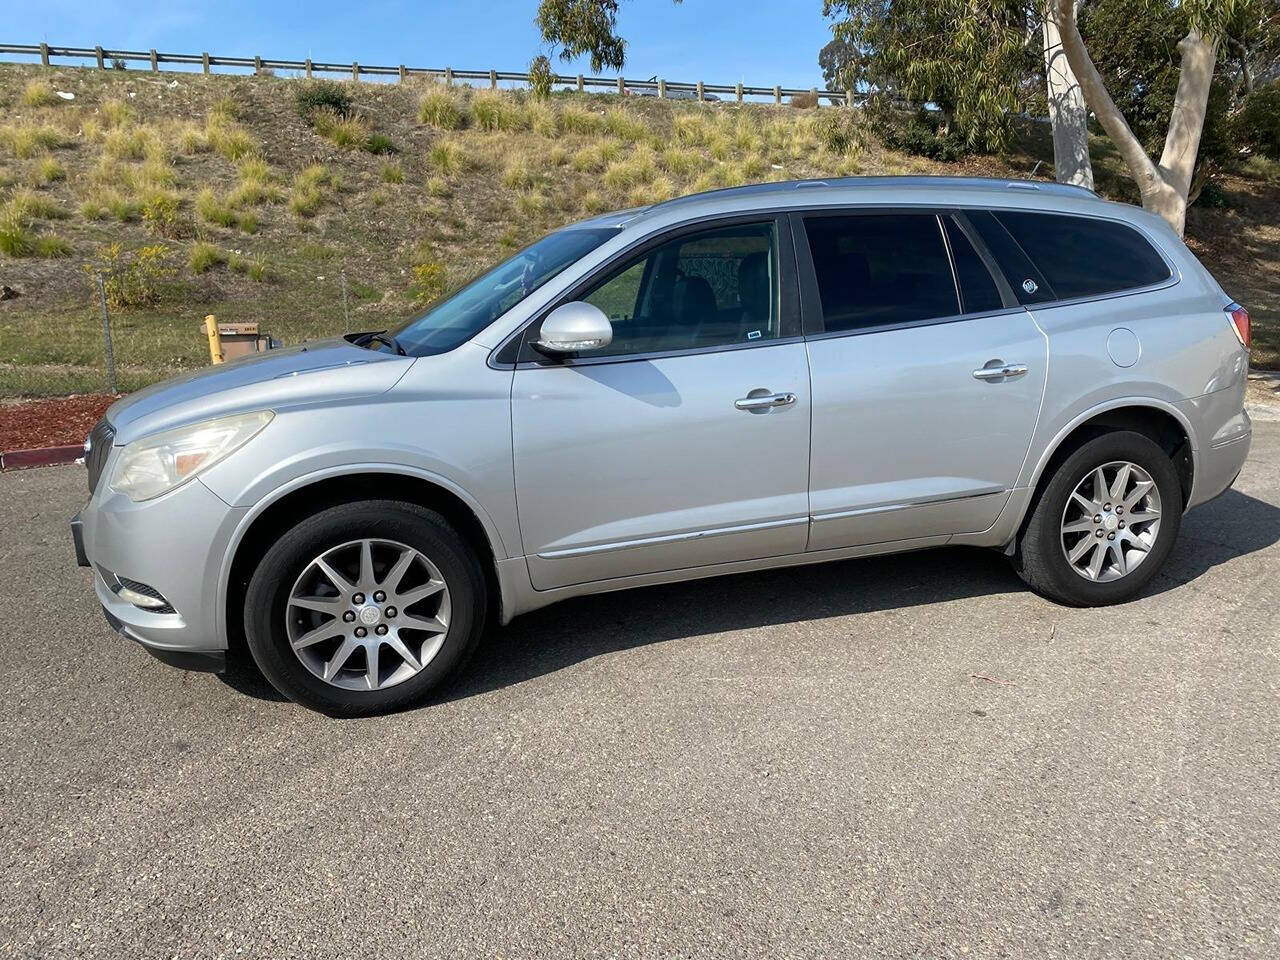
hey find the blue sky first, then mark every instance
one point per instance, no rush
(718, 41)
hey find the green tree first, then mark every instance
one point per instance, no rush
(974, 61)
(584, 28)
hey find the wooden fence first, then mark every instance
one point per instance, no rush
(105, 57)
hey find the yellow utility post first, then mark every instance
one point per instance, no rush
(215, 338)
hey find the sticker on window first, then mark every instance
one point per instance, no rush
(1030, 285)
(754, 335)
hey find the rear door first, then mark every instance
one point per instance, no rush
(686, 441)
(927, 377)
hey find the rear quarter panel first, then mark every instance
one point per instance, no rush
(1175, 339)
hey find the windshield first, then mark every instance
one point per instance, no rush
(461, 316)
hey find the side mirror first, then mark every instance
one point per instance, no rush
(573, 328)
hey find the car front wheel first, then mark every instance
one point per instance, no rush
(365, 607)
(1104, 523)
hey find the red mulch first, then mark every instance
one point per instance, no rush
(52, 422)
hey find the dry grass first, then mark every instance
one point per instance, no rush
(38, 93)
(443, 107)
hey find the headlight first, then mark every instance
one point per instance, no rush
(150, 467)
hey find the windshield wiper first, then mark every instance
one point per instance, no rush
(383, 337)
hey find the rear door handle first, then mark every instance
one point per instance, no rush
(999, 370)
(765, 402)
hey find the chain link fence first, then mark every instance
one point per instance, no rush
(94, 346)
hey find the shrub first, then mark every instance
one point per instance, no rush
(427, 282)
(160, 212)
(530, 202)
(517, 175)
(542, 119)
(592, 202)
(205, 256)
(254, 267)
(191, 139)
(1257, 122)
(311, 188)
(15, 238)
(226, 138)
(690, 128)
(577, 120)
(349, 133)
(623, 125)
(39, 94)
(805, 101)
(133, 279)
(47, 245)
(391, 173)
(626, 174)
(379, 143)
(214, 211)
(448, 156)
(921, 134)
(541, 77)
(49, 170)
(116, 113)
(681, 161)
(29, 205)
(327, 95)
(441, 107)
(26, 140)
(496, 111)
(225, 110)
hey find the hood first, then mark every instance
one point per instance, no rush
(317, 372)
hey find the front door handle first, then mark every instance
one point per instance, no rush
(765, 402)
(999, 370)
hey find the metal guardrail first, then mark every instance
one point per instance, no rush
(104, 57)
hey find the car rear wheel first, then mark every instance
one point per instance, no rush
(365, 608)
(1104, 523)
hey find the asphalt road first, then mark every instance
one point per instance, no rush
(796, 764)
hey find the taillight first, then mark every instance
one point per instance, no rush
(1239, 323)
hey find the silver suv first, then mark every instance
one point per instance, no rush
(764, 376)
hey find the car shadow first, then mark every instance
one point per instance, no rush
(583, 628)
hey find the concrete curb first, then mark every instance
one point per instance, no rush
(40, 457)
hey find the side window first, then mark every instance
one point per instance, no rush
(1027, 283)
(1083, 256)
(978, 291)
(704, 289)
(876, 269)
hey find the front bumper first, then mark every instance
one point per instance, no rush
(174, 546)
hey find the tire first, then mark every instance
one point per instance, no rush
(394, 530)
(1041, 558)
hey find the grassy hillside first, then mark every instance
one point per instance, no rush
(215, 195)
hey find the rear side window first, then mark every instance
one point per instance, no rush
(1084, 257)
(877, 269)
(1028, 284)
(978, 292)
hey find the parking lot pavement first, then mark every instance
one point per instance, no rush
(804, 763)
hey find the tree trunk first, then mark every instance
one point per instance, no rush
(1163, 188)
(1067, 113)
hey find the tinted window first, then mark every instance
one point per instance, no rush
(1084, 257)
(700, 290)
(1027, 283)
(978, 292)
(880, 268)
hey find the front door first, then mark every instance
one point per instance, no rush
(686, 441)
(926, 381)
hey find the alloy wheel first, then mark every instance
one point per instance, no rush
(1111, 521)
(368, 614)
